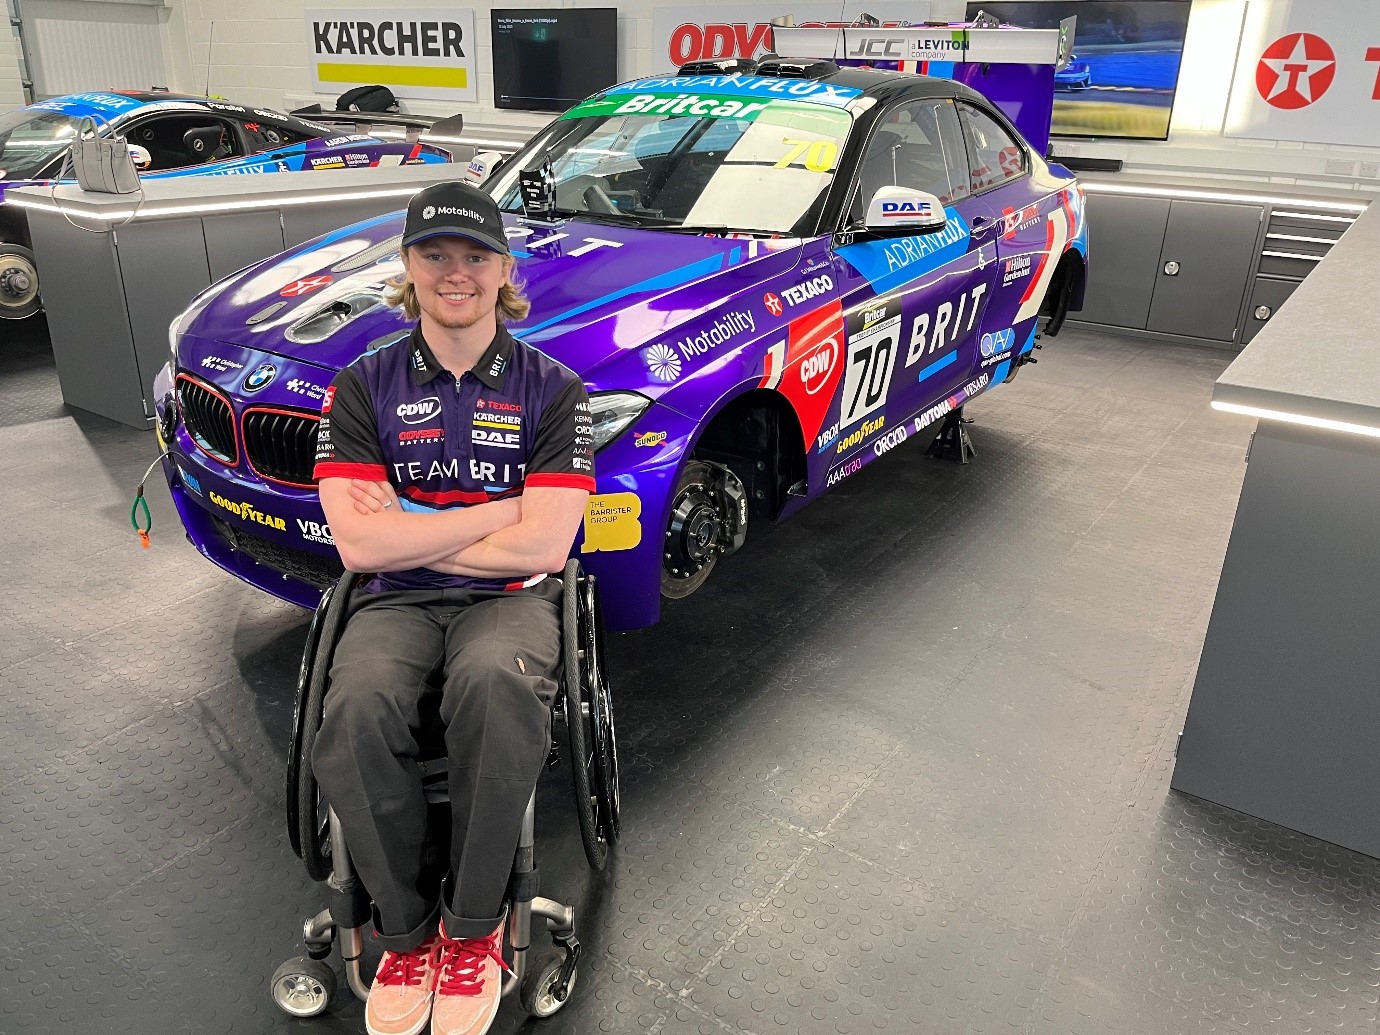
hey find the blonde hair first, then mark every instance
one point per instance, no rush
(511, 307)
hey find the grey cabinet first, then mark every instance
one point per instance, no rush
(1267, 295)
(1169, 265)
(1125, 236)
(1205, 264)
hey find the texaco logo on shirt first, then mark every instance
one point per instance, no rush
(306, 286)
(1295, 70)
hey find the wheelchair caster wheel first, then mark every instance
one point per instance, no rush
(538, 995)
(303, 987)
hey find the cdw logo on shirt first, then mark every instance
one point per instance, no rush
(421, 411)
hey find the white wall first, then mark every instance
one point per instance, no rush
(260, 53)
(11, 92)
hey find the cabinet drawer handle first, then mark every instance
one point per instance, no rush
(1292, 255)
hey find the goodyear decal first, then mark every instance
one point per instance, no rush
(891, 263)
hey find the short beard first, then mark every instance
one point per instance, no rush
(451, 323)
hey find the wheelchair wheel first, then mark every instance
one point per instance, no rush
(302, 987)
(306, 813)
(589, 718)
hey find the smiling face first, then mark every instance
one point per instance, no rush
(457, 281)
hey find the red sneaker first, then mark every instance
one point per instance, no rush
(401, 996)
(470, 984)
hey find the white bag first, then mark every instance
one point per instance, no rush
(102, 164)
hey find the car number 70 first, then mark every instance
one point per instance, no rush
(818, 155)
(871, 360)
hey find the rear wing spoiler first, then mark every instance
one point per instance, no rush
(414, 127)
(1012, 67)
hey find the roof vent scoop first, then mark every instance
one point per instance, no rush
(722, 66)
(790, 68)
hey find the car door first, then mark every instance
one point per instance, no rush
(913, 305)
(1001, 181)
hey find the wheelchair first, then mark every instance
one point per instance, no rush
(303, 986)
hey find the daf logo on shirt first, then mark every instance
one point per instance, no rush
(421, 411)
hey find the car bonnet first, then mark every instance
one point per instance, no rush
(596, 290)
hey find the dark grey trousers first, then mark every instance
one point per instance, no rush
(499, 656)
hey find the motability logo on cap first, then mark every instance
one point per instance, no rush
(260, 377)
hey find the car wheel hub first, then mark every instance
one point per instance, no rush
(18, 281)
(696, 526)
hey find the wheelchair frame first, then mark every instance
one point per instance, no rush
(303, 986)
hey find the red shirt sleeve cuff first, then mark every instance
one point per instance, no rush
(365, 472)
(559, 481)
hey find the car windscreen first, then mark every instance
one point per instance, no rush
(30, 140)
(708, 165)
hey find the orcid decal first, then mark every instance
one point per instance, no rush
(260, 377)
(648, 439)
(612, 522)
(889, 441)
(247, 512)
(421, 411)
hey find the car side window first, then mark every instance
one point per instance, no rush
(916, 145)
(178, 139)
(994, 155)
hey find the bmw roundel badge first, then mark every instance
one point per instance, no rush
(260, 377)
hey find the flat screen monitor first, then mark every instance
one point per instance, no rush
(1125, 67)
(548, 59)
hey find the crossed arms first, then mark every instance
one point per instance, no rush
(518, 536)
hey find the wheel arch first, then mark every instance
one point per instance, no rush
(757, 434)
(1066, 289)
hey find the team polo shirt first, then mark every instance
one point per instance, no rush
(518, 419)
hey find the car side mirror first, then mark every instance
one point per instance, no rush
(901, 210)
(482, 166)
(141, 156)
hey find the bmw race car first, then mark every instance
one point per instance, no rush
(767, 281)
(169, 135)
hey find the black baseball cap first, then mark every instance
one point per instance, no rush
(457, 210)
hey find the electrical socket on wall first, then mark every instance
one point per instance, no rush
(1370, 170)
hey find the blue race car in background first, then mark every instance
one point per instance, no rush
(1076, 75)
(169, 135)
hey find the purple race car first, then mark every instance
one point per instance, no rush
(168, 135)
(766, 281)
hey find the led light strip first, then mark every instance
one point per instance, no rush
(266, 202)
(1297, 418)
(1099, 187)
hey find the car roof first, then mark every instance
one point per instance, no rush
(112, 106)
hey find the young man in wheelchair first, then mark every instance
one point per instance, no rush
(455, 465)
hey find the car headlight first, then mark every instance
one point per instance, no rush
(612, 412)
